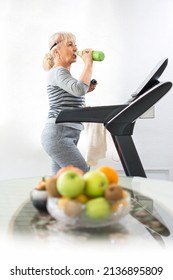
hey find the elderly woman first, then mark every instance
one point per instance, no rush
(65, 92)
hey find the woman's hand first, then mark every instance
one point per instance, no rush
(92, 86)
(87, 56)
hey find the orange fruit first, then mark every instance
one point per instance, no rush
(110, 172)
(62, 201)
(124, 194)
(82, 198)
(117, 205)
(41, 184)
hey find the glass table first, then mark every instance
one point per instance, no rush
(150, 220)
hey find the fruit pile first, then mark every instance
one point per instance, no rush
(96, 194)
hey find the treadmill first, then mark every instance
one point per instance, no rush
(120, 120)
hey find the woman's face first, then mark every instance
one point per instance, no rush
(67, 52)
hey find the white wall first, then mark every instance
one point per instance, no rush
(134, 35)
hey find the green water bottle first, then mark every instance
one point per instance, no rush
(96, 55)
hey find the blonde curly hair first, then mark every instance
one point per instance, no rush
(54, 42)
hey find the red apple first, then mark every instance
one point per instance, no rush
(69, 168)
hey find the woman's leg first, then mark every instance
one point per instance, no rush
(54, 167)
(60, 142)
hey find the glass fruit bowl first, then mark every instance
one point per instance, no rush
(76, 214)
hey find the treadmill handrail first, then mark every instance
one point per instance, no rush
(98, 114)
(143, 102)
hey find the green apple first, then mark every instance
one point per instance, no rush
(70, 184)
(95, 183)
(97, 208)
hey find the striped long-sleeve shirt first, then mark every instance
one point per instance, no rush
(64, 92)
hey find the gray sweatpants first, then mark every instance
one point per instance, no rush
(60, 143)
